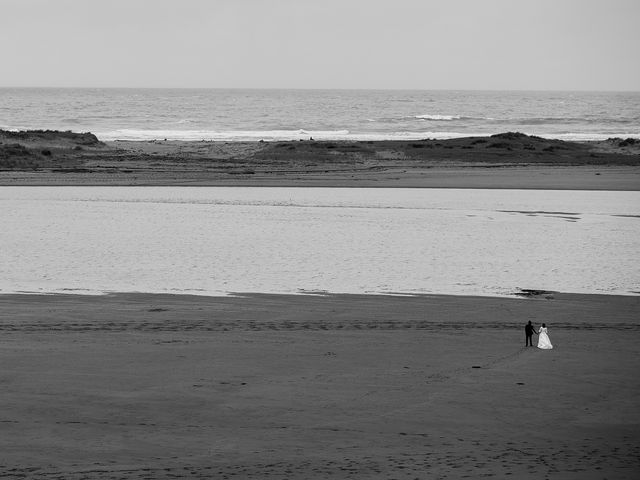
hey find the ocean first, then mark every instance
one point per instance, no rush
(238, 115)
(216, 241)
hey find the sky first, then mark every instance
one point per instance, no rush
(362, 44)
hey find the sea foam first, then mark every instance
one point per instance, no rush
(336, 135)
(238, 135)
(276, 135)
(438, 117)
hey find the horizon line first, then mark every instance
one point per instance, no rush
(318, 89)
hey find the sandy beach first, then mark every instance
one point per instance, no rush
(318, 386)
(144, 386)
(507, 160)
(285, 240)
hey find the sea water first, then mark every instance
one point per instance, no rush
(215, 241)
(235, 114)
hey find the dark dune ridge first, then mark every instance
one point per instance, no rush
(506, 160)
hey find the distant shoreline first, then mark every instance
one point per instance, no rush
(508, 160)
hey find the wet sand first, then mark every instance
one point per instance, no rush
(141, 386)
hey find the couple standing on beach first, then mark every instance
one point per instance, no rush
(543, 337)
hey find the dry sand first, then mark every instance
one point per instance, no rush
(305, 387)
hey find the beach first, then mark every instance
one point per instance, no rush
(318, 386)
(296, 240)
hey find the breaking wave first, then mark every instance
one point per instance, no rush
(277, 135)
(336, 135)
(438, 117)
(233, 135)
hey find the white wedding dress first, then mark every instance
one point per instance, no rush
(543, 339)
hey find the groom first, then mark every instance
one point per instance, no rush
(529, 331)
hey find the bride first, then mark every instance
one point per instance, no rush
(543, 338)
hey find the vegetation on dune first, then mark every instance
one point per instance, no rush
(52, 136)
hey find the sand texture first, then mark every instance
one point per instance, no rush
(508, 160)
(136, 386)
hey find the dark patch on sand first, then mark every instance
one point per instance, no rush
(539, 212)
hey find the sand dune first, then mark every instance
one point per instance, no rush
(507, 160)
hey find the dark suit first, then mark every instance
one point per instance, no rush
(528, 331)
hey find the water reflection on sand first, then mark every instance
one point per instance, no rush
(212, 240)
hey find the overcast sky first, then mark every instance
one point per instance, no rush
(409, 44)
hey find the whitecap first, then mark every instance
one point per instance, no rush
(438, 117)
